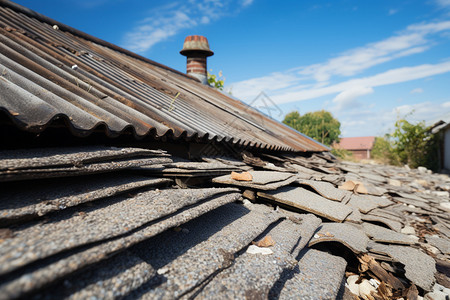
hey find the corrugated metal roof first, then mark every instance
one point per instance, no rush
(115, 89)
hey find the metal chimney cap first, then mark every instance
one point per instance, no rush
(196, 44)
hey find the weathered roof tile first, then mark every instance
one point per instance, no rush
(303, 199)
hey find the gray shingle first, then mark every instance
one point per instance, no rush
(420, 268)
(325, 189)
(95, 224)
(303, 199)
(318, 275)
(239, 281)
(207, 248)
(381, 234)
(42, 197)
(346, 234)
(47, 271)
(366, 203)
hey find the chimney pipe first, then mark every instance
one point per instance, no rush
(196, 49)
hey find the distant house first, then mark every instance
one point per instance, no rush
(360, 147)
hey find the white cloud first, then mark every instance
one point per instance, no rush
(249, 89)
(246, 2)
(317, 80)
(169, 20)
(411, 41)
(347, 98)
(416, 91)
(443, 3)
(386, 78)
(367, 122)
(392, 11)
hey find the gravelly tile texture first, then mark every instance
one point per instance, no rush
(48, 157)
(442, 244)
(382, 234)
(37, 276)
(209, 245)
(259, 178)
(239, 281)
(318, 275)
(311, 202)
(42, 197)
(366, 203)
(325, 189)
(110, 279)
(66, 232)
(420, 268)
(394, 225)
(346, 234)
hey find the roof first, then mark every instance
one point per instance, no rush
(440, 126)
(357, 143)
(95, 221)
(101, 222)
(92, 85)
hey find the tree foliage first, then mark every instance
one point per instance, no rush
(411, 144)
(320, 125)
(414, 144)
(342, 153)
(383, 152)
(216, 81)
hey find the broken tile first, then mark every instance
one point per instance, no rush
(67, 231)
(346, 234)
(43, 197)
(394, 225)
(366, 203)
(318, 275)
(420, 268)
(262, 180)
(381, 234)
(354, 217)
(259, 177)
(73, 156)
(442, 244)
(49, 271)
(238, 281)
(110, 279)
(324, 189)
(83, 169)
(303, 199)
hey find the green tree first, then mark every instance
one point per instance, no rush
(414, 144)
(216, 81)
(383, 152)
(320, 125)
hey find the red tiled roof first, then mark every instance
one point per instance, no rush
(357, 143)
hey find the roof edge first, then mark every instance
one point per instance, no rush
(31, 13)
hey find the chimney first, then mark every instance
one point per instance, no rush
(196, 49)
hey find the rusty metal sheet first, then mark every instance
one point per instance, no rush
(115, 90)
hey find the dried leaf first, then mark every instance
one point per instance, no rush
(412, 293)
(369, 262)
(244, 176)
(348, 186)
(384, 291)
(360, 188)
(355, 186)
(250, 195)
(267, 241)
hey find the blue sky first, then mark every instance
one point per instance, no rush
(365, 61)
